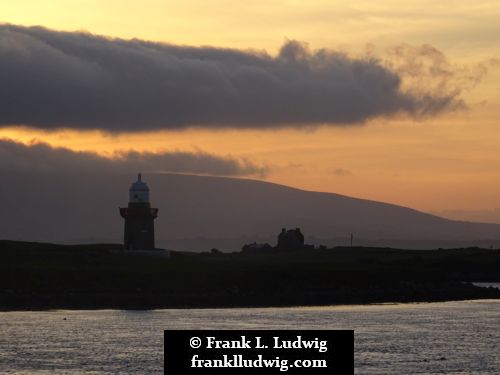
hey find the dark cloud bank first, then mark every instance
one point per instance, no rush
(40, 158)
(51, 79)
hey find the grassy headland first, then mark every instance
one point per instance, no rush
(48, 276)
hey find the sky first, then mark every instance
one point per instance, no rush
(390, 101)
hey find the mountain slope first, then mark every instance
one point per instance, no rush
(200, 212)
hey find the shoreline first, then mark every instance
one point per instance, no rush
(489, 294)
(388, 303)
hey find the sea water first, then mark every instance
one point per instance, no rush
(427, 338)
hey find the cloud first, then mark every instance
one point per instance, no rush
(40, 158)
(427, 73)
(51, 79)
(341, 172)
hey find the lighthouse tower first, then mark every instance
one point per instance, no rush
(139, 218)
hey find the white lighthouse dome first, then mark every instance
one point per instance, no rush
(139, 191)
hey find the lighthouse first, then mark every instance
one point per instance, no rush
(139, 218)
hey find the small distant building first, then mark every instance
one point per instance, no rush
(139, 218)
(291, 239)
(256, 247)
(288, 240)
